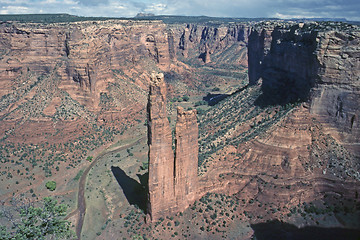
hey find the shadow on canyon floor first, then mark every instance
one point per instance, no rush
(213, 98)
(284, 231)
(281, 95)
(135, 192)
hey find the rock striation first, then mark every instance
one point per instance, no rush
(61, 72)
(204, 41)
(161, 156)
(318, 63)
(284, 58)
(172, 181)
(186, 158)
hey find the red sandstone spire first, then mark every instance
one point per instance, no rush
(170, 189)
(186, 158)
(161, 155)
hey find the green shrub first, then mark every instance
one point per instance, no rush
(145, 166)
(185, 98)
(51, 185)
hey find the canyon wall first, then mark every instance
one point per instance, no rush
(312, 62)
(284, 58)
(84, 56)
(57, 75)
(336, 98)
(98, 71)
(78, 86)
(225, 44)
(292, 135)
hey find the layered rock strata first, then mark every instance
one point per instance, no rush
(62, 72)
(172, 181)
(314, 62)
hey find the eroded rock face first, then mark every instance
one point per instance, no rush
(311, 62)
(94, 70)
(186, 158)
(336, 99)
(161, 156)
(310, 151)
(172, 181)
(203, 40)
(284, 58)
(78, 70)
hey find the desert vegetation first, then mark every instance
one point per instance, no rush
(27, 221)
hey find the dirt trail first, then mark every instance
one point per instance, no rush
(81, 208)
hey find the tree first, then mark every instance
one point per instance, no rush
(29, 222)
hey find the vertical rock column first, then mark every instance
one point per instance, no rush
(186, 158)
(207, 58)
(161, 157)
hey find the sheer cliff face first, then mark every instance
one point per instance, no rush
(336, 99)
(312, 147)
(225, 43)
(84, 56)
(284, 58)
(315, 64)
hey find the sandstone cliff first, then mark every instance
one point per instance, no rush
(291, 136)
(96, 70)
(311, 62)
(223, 43)
(90, 79)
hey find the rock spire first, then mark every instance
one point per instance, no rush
(172, 179)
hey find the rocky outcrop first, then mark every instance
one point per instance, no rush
(161, 156)
(336, 98)
(308, 151)
(172, 181)
(284, 58)
(83, 64)
(227, 42)
(186, 158)
(311, 62)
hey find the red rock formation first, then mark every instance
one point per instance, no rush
(170, 189)
(186, 158)
(321, 66)
(207, 57)
(161, 156)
